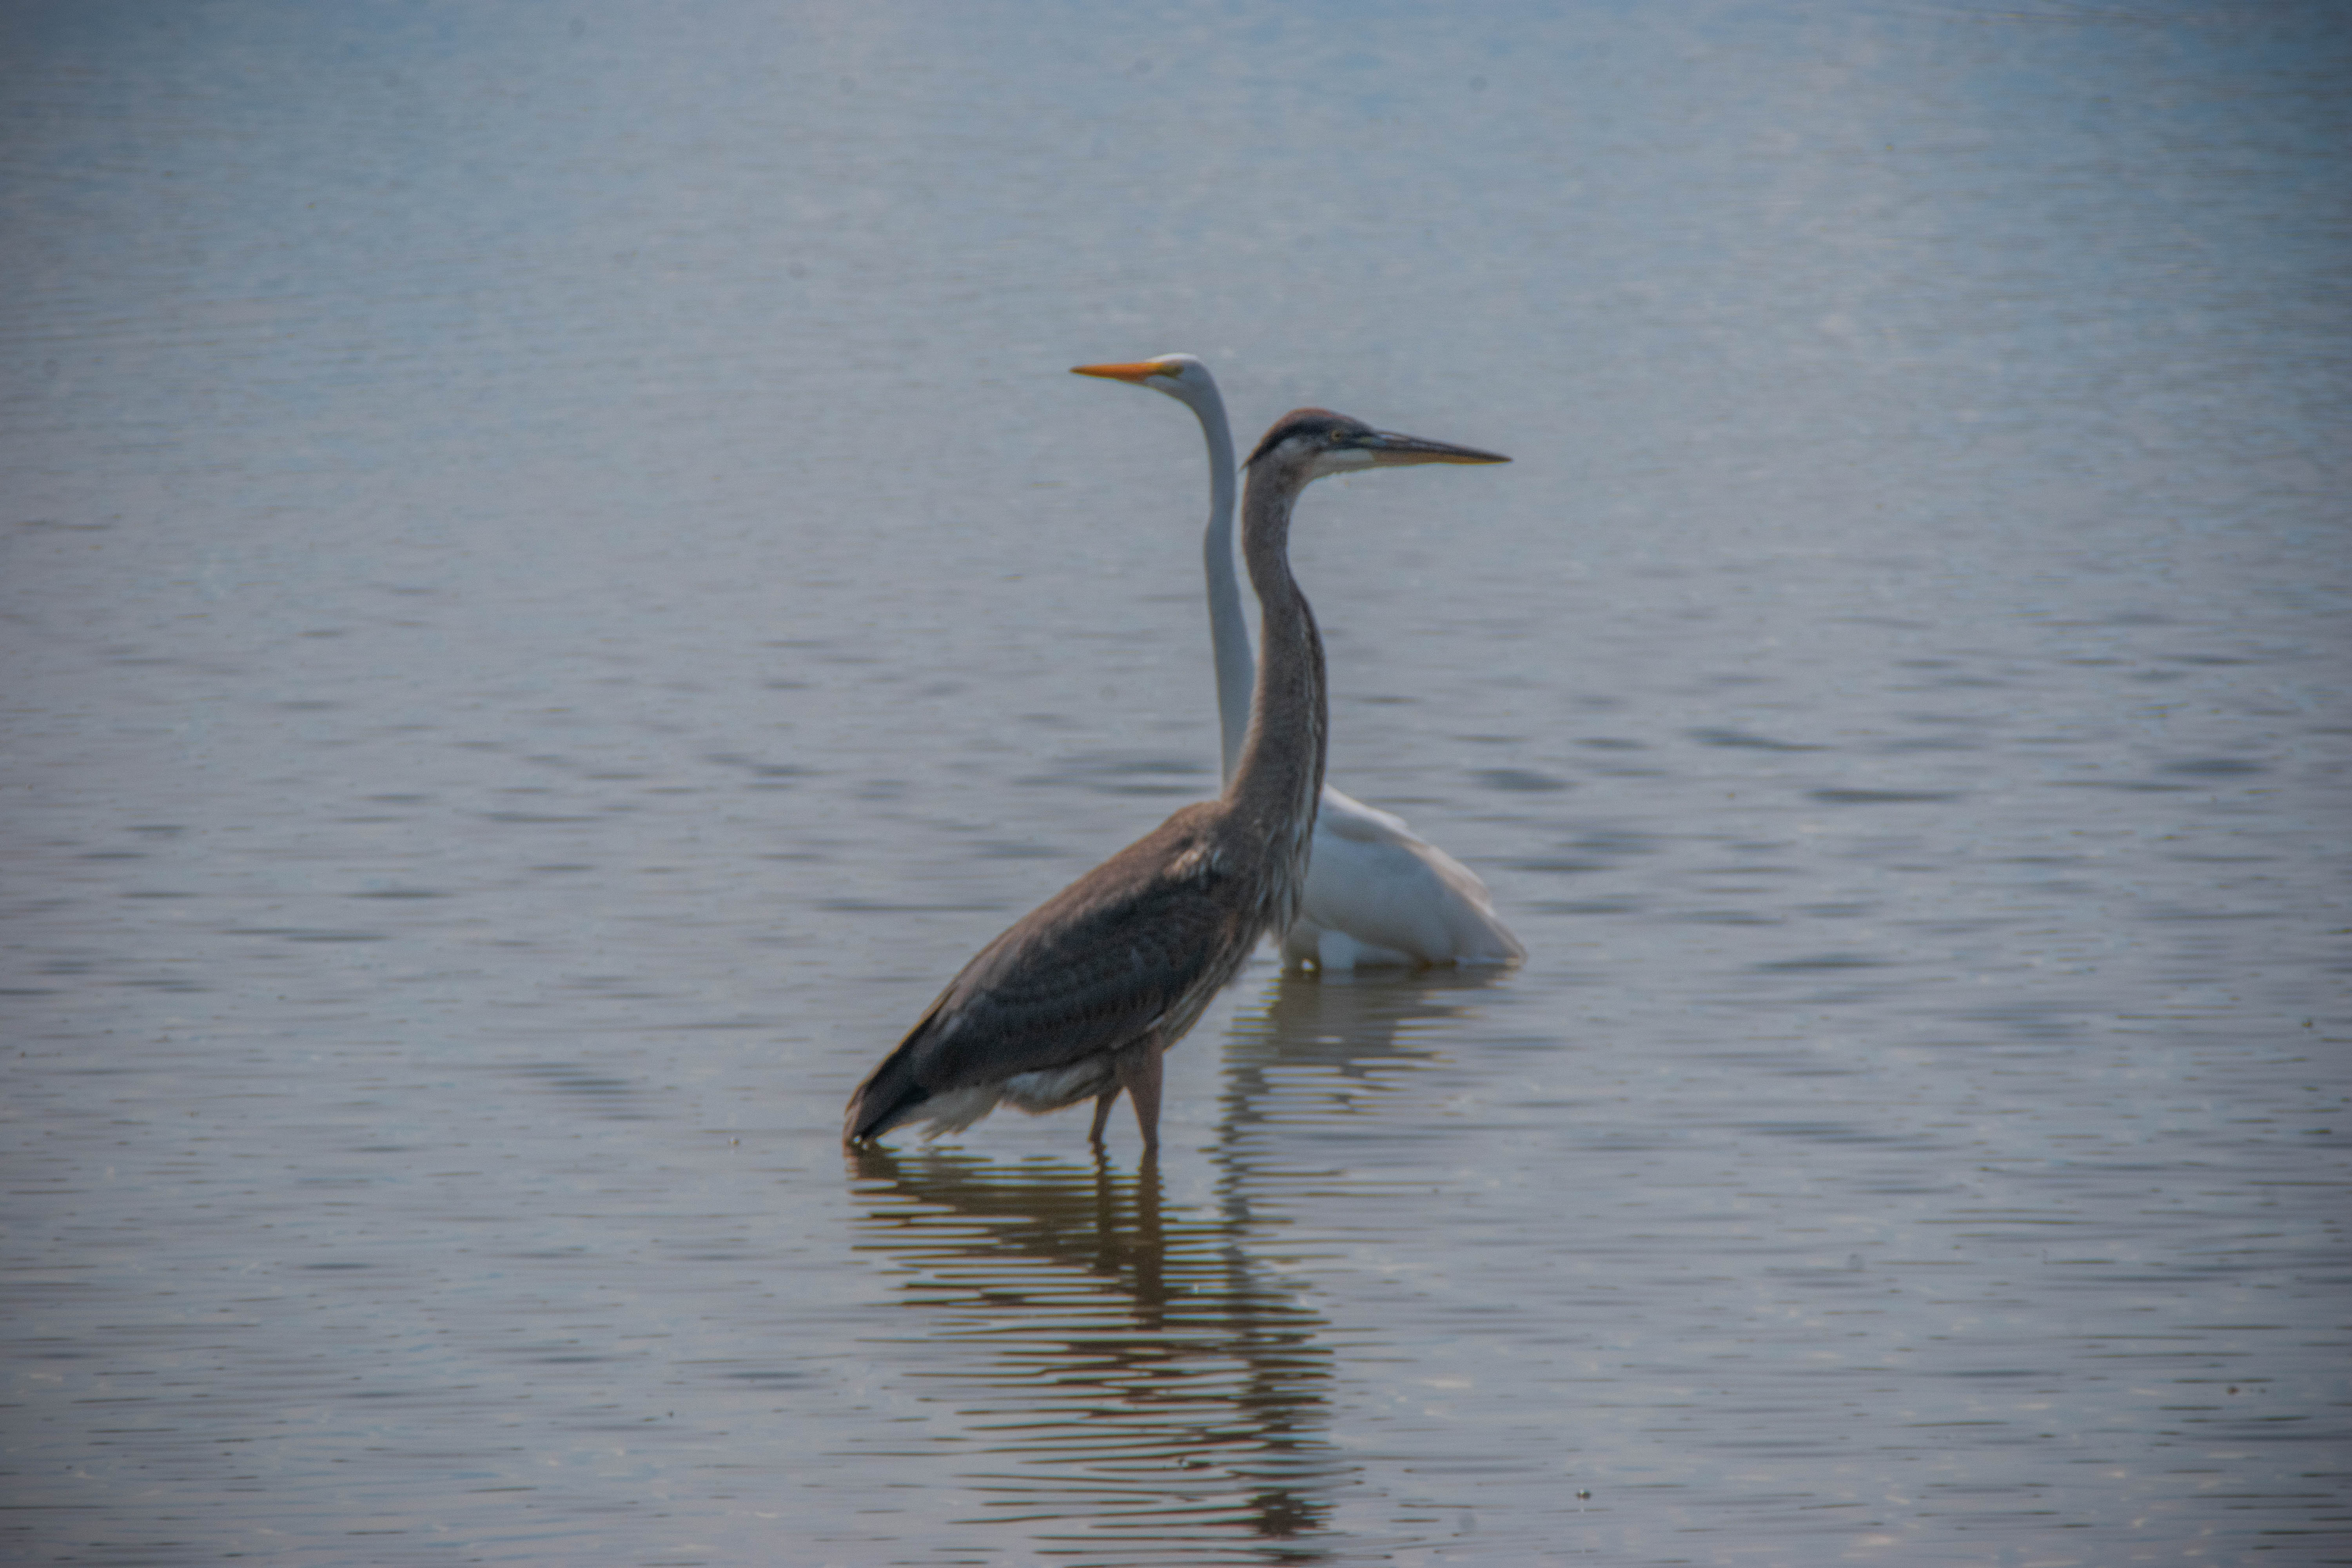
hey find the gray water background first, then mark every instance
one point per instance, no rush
(555, 587)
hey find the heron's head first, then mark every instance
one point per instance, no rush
(1180, 376)
(1316, 442)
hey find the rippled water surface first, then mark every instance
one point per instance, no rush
(555, 587)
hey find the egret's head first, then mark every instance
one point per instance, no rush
(1180, 376)
(1319, 442)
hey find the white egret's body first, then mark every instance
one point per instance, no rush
(1377, 892)
(1080, 996)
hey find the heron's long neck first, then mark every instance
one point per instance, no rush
(1236, 673)
(1279, 774)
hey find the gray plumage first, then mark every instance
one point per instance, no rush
(1080, 996)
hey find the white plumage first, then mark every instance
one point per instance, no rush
(1377, 892)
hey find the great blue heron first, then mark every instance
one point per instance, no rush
(1377, 892)
(1079, 997)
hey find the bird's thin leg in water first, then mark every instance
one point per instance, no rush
(1102, 1116)
(1139, 1074)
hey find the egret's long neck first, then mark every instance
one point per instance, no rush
(1279, 774)
(1228, 632)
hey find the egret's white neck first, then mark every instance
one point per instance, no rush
(1228, 627)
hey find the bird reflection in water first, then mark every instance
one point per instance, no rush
(1135, 1365)
(1140, 1377)
(1324, 1043)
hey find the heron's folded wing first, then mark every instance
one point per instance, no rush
(1092, 969)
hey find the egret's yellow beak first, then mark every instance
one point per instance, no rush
(1138, 371)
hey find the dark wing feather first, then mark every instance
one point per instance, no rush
(1088, 971)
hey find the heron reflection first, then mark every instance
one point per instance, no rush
(1133, 1365)
(1133, 1368)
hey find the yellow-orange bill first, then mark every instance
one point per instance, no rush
(1136, 370)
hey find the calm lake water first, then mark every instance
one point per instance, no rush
(556, 587)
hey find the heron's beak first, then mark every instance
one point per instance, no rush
(1391, 450)
(1138, 371)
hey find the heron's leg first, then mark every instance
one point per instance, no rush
(1139, 1071)
(1102, 1115)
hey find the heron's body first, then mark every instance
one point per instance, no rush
(1377, 892)
(1079, 997)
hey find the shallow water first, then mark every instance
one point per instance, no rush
(555, 588)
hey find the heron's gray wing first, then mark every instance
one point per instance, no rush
(1092, 969)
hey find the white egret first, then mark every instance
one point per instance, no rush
(1377, 892)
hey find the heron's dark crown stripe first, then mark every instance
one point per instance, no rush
(1301, 422)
